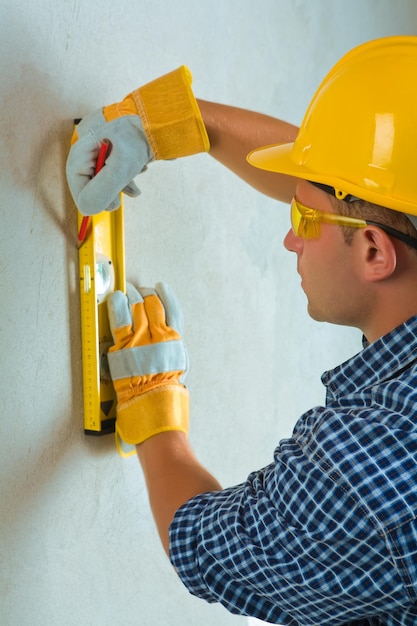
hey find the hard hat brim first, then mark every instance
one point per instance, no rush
(275, 158)
(278, 158)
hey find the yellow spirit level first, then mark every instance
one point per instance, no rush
(102, 270)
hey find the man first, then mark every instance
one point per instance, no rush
(327, 533)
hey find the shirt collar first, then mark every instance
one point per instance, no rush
(378, 361)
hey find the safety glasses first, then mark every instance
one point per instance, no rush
(306, 222)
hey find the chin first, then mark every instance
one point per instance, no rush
(316, 315)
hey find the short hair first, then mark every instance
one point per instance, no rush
(375, 213)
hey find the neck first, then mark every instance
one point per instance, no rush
(392, 307)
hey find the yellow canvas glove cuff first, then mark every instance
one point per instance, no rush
(159, 410)
(170, 115)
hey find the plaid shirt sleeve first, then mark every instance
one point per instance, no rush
(288, 546)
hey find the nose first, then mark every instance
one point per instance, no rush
(292, 242)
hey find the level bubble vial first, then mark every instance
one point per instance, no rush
(104, 277)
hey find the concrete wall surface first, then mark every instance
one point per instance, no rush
(78, 544)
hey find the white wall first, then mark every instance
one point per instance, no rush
(78, 545)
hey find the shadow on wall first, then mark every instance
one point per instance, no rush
(35, 141)
(35, 146)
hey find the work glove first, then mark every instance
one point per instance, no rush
(148, 363)
(160, 120)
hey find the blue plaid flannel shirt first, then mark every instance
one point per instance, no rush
(327, 533)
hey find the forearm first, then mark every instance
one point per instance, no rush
(173, 475)
(234, 132)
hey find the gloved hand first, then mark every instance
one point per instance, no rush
(160, 120)
(148, 362)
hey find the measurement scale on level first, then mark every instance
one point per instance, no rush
(101, 271)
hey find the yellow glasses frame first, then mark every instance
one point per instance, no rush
(306, 222)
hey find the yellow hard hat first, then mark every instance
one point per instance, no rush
(359, 133)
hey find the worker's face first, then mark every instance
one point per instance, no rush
(327, 265)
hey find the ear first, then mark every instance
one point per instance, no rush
(379, 254)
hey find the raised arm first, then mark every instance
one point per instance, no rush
(234, 132)
(148, 363)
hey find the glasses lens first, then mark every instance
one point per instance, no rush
(302, 221)
(295, 218)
